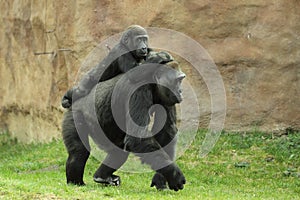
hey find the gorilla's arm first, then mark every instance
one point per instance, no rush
(167, 135)
(139, 141)
(167, 139)
(106, 69)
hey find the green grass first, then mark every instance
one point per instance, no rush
(272, 171)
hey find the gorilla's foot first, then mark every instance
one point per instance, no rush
(74, 182)
(112, 180)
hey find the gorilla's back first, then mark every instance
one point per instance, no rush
(97, 112)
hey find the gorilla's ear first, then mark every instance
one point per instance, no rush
(125, 38)
(173, 65)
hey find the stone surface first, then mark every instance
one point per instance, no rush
(254, 43)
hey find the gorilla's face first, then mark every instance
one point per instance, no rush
(169, 85)
(140, 44)
(135, 38)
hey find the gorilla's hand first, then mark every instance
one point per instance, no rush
(159, 181)
(174, 177)
(72, 95)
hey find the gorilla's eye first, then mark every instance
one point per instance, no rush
(142, 39)
(178, 79)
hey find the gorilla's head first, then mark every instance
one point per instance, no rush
(168, 83)
(135, 38)
(163, 73)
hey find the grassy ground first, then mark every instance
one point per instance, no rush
(251, 166)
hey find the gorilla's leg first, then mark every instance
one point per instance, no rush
(113, 161)
(78, 149)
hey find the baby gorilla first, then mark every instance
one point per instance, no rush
(127, 54)
(119, 127)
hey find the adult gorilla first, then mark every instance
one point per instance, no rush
(127, 54)
(122, 107)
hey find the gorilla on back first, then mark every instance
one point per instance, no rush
(116, 115)
(127, 54)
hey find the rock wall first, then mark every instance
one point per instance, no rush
(254, 43)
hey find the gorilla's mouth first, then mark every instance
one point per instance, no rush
(142, 52)
(179, 96)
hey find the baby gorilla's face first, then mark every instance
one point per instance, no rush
(140, 44)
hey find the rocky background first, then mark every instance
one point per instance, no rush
(255, 45)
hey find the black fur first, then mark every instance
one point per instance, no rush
(115, 141)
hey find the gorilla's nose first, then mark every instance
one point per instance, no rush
(144, 49)
(181, 76)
